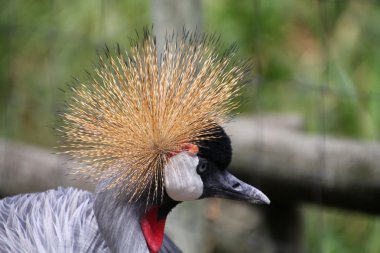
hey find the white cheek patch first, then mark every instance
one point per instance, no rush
(182, 181)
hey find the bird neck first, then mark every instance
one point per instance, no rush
(153, 224)
(130, 226)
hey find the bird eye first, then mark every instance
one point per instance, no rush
(202, 166)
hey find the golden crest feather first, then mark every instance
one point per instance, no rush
(139, 107)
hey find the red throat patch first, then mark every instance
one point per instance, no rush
(153, 229)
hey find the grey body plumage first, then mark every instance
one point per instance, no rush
(63, 220)
(59, 220)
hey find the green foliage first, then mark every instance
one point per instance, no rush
(335, 231)
(45, 44)
(319, 58)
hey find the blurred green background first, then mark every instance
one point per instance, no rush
(320, 59)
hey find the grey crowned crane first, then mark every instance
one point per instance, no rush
(147, 130)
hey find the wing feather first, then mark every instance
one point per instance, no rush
(60, 220)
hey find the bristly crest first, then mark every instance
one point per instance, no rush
(139, 107)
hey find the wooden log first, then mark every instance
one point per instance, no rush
(288, 164)
(26, 168)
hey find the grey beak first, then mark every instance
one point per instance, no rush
(222, 184)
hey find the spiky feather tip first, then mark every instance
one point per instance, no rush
(139, 107)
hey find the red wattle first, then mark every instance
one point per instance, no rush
(153, 229)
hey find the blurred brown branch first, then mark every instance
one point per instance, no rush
(27, 168)
(291, 166)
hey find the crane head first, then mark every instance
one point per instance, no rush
(200, 172)
(149, 123)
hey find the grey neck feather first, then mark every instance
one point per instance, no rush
(119, 221)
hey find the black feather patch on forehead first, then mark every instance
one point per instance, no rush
(217, 150)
